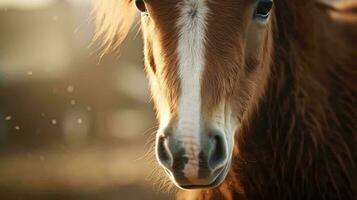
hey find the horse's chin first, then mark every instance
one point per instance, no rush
(215, 183)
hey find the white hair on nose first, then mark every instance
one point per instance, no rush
(191, 52)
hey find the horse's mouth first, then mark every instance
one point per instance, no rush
(215, 183)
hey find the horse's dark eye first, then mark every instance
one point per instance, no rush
(140, 4)
(263, 9)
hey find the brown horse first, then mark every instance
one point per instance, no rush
(257, 99)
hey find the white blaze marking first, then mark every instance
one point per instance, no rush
(191, 52)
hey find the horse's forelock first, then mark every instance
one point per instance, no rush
(113, 21)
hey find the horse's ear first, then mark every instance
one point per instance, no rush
(113, 20)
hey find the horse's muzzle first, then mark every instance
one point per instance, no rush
(194, 162)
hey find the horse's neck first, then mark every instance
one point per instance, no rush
(315, 70)
(315, 48)
(307, 110)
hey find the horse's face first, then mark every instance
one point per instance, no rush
(205, 60)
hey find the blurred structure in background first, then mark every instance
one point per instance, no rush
(70, 128)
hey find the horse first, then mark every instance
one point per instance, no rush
(256, 99)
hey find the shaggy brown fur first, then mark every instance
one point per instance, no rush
(299, 139)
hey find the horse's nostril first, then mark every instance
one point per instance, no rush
(163, 152)
(218, 153)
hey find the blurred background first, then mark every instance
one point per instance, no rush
(72, 126)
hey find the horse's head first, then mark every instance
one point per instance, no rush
(205, 60)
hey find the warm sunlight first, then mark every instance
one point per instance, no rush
(178, 99)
